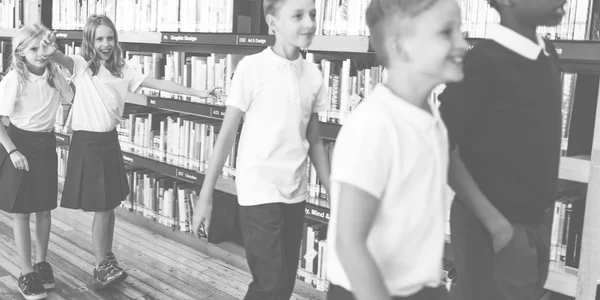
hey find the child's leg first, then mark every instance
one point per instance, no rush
(23, 241)
(101, 234)
(111, 227)
(293, 223)
(262, 227)
(43, 222)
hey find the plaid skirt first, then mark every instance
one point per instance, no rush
(35, 190)
(96, 179)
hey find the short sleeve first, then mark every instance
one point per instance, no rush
(357, 157)
(135, 78)
(8, 89)
(79, 66)
(240, 92)
(462, 102)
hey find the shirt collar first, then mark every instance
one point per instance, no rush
(33, 78)
(409, 111)
(280, 61)
(516, 42)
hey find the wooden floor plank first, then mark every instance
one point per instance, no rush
(180, 254)
(147, 261)
(159, 268)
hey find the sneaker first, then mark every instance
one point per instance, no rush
(30, 286)
(45, 271)
(107, 273)
(110, 257)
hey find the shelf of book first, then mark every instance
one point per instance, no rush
(7, 32)
(328, 130)
(562, 280)
(575, 169)
(223, 184)
(321, 43)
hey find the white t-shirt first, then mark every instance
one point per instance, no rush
(278, 97)
(34, 109)
(100, 100)
(399, 154)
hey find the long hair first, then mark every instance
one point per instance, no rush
(26, 36)
(115, 63)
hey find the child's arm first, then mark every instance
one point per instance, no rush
(172, 87)
(316, 152)
(18, 159)
(49, 49)
(356, 212)
(221, 150)
(469, 193)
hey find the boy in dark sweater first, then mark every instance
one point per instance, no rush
(504, 123)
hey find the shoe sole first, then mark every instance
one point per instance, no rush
(49, 286)
(31, 297)
(100, 285)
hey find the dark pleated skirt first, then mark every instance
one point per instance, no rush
(35, 190)
(96, 179)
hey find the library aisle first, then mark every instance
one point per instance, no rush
(159, 268)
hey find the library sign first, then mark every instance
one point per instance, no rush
(218, 39)
(320, 213)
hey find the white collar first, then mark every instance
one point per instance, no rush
(516, 42)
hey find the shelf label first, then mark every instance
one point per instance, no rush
(255, 40)
(128, 159)
(152, 102)
(61, 139)
(317, 212)
(69, 34)
(179, 38)
(186, 175)
(217, 112)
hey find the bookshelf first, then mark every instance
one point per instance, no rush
(577, 56)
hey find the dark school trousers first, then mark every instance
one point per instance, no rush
(517, 272)
(440, 293)
(272, 235)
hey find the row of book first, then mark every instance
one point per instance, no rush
(567, 225)
(148, 15)
(9, 16)
(477, 16)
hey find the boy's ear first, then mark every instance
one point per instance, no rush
(271, 22)
(395, 48)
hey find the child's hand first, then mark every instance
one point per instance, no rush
(501, 235)
(19, 161)
(202, 214)
(48, 44)
(210, 93)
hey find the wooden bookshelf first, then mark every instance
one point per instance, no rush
(183, 174)
(328, 130)
(7, 32)
(575, 169)
(561, 280)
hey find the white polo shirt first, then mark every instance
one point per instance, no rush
(399, 154)
(278, 97)
(34, 109)
(100, 100)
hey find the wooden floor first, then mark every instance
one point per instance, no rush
(158, 268)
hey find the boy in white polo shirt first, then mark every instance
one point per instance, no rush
(279, 95)
(389, 168)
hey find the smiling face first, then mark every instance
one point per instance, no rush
(104, 42)
(432, 45)
(294, 22)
